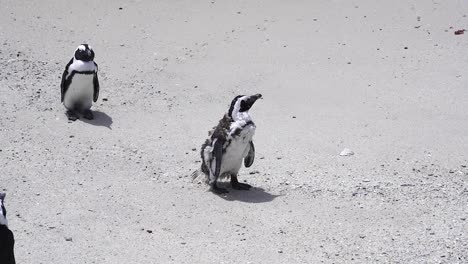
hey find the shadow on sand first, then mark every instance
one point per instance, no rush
(254, 195)
(100, 119)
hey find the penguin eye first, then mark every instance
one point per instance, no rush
(243, 106)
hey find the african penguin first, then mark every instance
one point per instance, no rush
(7, 240)
(229, 143)
(80, 84)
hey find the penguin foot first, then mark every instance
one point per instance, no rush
(241, 186)
(71, 115)
(88, 114)
(218, 190)
(237, 185)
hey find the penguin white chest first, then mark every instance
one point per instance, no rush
(236, 150)
(80, 92)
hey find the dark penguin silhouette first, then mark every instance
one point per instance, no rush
(7, 240)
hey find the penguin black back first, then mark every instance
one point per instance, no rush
(7, 240)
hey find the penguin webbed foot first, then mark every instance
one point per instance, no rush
(218, 190)
(239, 186)
(72, 116)
(88, 114)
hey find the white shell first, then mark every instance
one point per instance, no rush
(346, 152)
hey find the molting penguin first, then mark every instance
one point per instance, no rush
(229, 143)
(7, 240)
(80, 84)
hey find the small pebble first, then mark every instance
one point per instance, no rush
(346, 152)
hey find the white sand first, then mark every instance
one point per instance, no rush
(169, 70)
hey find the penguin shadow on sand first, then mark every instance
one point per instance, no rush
(100, 119)
(254, 195)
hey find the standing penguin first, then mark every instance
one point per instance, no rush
(80, 84)
(229, 143)
(7, 240)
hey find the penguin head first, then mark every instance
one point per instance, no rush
(84, 52)
(3, 219)
(241, 105)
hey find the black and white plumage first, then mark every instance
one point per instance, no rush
(80, 84)
(230, 143)
(7, 240)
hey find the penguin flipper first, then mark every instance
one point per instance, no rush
(249, 159)
(96, 87)
(96, 84)
(65, 82)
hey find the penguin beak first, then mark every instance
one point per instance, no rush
(252, 99)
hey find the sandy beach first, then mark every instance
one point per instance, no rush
(385, 79)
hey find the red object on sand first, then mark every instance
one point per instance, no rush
(459, 32)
